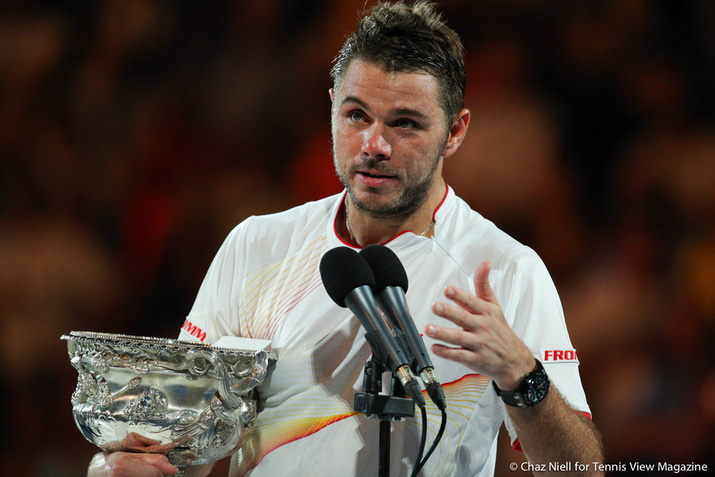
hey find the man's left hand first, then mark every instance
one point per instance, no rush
(485, 343)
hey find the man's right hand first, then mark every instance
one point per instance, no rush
(129, 464)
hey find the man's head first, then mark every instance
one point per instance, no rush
(397, 111)
(404, 38)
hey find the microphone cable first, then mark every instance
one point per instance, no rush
(438, 437)
(423, 442)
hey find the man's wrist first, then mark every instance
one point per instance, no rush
(511, 382)
(531, 390)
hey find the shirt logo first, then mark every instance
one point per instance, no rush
(559, 356)
(194, 330)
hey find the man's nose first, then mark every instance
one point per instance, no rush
(375, 144)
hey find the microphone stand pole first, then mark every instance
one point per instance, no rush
(384, 407)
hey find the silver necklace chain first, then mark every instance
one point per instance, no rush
(350, 230)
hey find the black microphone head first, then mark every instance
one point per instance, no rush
(343, 270)
(386, 267)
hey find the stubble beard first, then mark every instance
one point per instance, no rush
(412, 197)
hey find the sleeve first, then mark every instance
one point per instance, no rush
(215, 311)
(533, 309)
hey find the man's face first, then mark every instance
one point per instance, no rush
(389, 137)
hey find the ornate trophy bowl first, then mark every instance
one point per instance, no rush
(192, 401)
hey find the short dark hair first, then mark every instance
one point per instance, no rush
(409, 38)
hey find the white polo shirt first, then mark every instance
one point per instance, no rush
(265, 283)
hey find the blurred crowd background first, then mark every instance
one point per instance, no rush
(134, 134)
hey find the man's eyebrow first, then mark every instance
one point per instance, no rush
(356, 100)
(410, 112)
(397, 112)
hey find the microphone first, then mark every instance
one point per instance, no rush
(349, 282)
(390, 287)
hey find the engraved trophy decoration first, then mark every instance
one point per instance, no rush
(193, 401)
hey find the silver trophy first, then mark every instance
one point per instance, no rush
(192, 401)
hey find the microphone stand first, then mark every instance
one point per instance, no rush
(384, 407)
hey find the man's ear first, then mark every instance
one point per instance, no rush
(457, 133)
(331, 91)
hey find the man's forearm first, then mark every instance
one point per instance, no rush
(552, 432)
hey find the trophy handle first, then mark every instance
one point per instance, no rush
(258, 374)
(230, 394)
(231, 400)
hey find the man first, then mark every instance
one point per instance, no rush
(397, 114)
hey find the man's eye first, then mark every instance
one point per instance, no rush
(356, 115)
(405, 124)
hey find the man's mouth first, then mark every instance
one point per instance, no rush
(374, 179)
(376, 175)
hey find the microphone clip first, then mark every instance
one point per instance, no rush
(374, 404)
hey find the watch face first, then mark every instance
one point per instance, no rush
(536, 389)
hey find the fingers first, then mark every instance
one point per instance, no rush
(135, 442)
(457, 315)
(464, 300)
(162, 463)
(464, 342)
(459, 355)
(129, 464)
(457, 337)
(135, 437)
(483, 304)
(484, 294)
(138, 443)
(481, 283)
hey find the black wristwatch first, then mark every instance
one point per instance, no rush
(531, 391)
